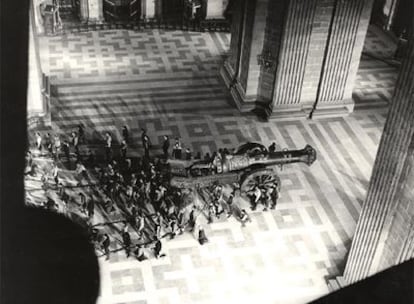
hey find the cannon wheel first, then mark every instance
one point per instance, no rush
(263, 178)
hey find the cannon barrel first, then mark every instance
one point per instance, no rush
(306, 155)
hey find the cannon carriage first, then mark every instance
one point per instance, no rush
(250, 165)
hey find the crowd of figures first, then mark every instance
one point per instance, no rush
(137, 207)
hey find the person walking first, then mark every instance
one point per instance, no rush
(202, 238)
(66, 151)
(55, 173)
(166, 146)
(177, 149)
(106, 242)
(75, 142)
(91, 208)
(124, 148)
(108, 147)
(275, 195)
(146, 143)
(272, 147)
(126, 240)
(81, 133)
(125, 134)
(57, 146)
(38, 141)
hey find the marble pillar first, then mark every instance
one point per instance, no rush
(148, 9)
(215, 9)
(95, 11)
(384, 234)
(247, 47)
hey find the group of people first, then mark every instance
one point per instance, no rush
(134, 193)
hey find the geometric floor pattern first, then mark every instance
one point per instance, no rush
(284, 255)
(129, 53)
(376, 78)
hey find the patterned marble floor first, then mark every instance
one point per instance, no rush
(284, 255)
(376, 78)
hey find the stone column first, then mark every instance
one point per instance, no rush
(215, 9)
(84, 10)
(157, 8)
(296, 47)
(231, 65)
(309, 52)
(95, 11)
(344, 46)
(35, 106)
(148, 9)
(245, 84)
(384, 234)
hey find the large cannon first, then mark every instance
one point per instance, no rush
(250, 165)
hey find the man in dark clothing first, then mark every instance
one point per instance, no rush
(126, 239)
(75, 142)
(202, 238)
(50, 204)
(272, 147)
(187, 154)
(158, 248)
(81, 133)
(66, 151)
(91, 159)
(166, 146)
(105, 245)
(192, 219)
(83, 203)
(274, 196)
(125, 134)
(230, 204)
(124, 148)
(177, 148)
(146, 143)
(91, 208)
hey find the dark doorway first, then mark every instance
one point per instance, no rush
(122, 10)
(176, 10)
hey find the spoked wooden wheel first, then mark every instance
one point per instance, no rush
(264, 178)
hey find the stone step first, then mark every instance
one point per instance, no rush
(333, 285)
(184, 93)
(145, 86)
(87, 81)
(341, 281)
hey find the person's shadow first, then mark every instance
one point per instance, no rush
(52, 261)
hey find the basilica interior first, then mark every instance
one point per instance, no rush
(333, 74)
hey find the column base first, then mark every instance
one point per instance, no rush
(95, 21)
(243, 103)
(227, 74)
(341, 109)
(287, 112)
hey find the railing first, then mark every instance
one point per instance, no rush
(211, 25)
